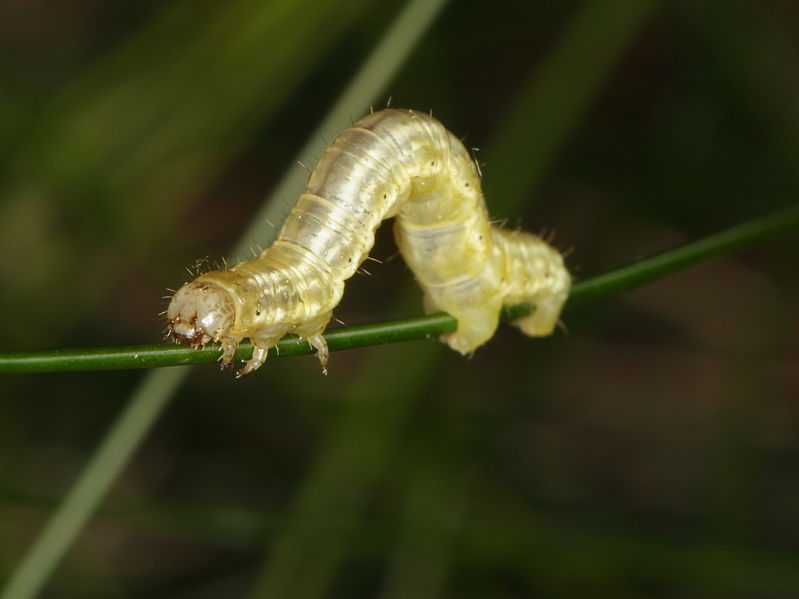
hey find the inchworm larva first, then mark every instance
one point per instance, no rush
(392, 163)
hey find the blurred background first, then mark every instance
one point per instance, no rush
(652, 450)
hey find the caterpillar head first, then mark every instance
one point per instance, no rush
(198, 313)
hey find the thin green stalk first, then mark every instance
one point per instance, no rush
(557, 96)
(157, 388)
(136, 420)
(621, 279)
(650, 269)
(316, 539)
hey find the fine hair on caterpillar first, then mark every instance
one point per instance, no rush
(391, 163)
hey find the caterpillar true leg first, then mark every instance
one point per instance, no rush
(229, 345)
(322, 353)
(390, 163)
(259, 354)
(261, 342)
(312, 333)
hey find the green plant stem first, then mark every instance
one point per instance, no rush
(153, 394)
(655, 267)
(621, 279)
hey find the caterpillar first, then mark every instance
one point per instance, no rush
(391, 163)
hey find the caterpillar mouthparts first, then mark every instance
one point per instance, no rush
(199, 313)
(391, 163)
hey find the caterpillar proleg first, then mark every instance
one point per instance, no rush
(391, 163)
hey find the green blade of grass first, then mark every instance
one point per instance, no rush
(621, 279)
(557, 96)
(156, 389)
(314, 538)
(724, 242)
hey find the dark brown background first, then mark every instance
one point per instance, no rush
(650, 452)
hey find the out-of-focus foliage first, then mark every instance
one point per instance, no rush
(651, 451)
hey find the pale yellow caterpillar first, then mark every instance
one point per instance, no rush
(392, 163)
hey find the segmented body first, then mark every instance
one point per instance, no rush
(392, 163)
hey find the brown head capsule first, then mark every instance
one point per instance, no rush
(199, 313)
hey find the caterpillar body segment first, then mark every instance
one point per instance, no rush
(392, 163)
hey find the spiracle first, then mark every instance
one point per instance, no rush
(391, 163)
